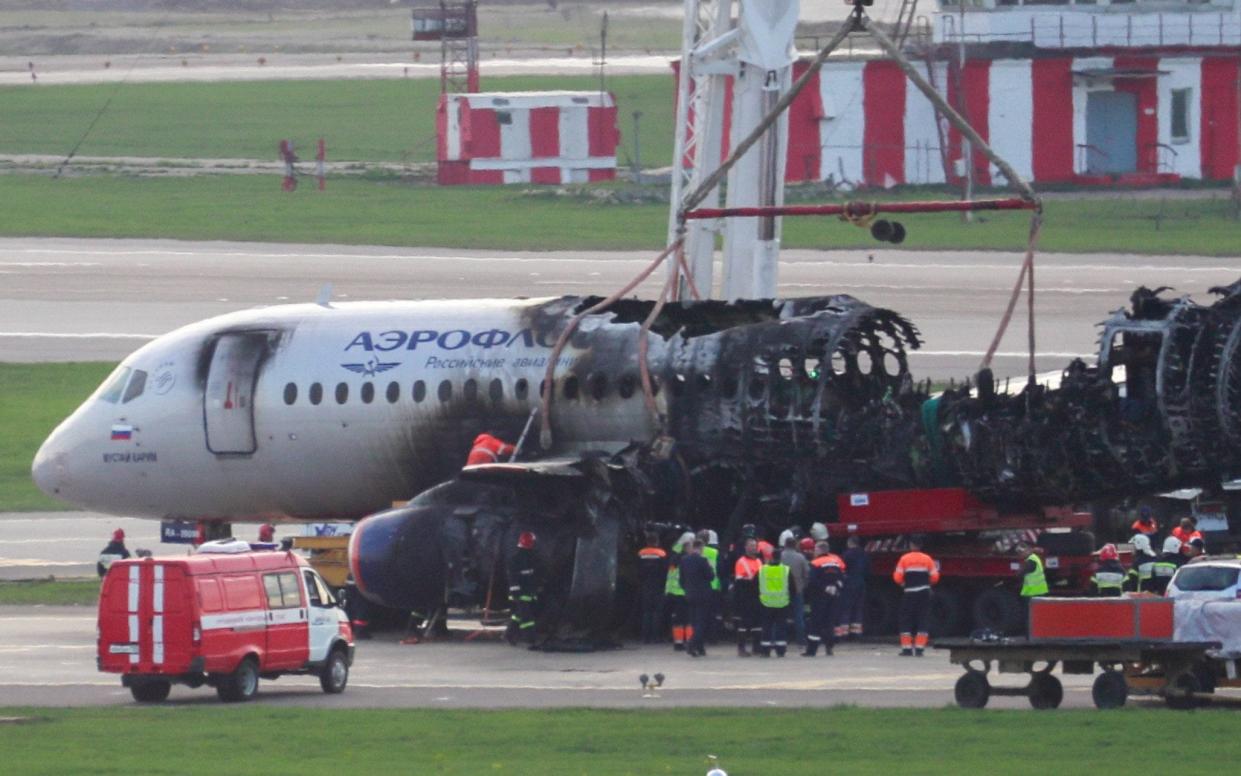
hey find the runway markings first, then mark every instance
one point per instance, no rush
(75, 335)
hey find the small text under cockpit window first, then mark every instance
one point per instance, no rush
(137, 384)
(115, 385)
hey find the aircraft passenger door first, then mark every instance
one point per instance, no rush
(228, 400)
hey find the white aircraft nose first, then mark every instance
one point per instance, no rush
(49, 467)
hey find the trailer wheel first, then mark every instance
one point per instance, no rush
(153, 691)
(240, 685)
(972, 690)
(1110, 690)
(999, 610)
(1046, 692)
(1179, 694)
(335, 673)
(947, 612)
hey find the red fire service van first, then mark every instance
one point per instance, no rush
(224, 616)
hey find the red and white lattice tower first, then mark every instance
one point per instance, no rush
(455, 26)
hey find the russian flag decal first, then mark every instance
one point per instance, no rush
(122, 432)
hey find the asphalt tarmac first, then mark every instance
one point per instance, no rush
(76, 299)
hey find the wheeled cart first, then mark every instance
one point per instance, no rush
(1174, 670)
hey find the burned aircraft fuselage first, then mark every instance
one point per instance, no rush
(763, 411)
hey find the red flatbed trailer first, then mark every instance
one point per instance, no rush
(973, 542)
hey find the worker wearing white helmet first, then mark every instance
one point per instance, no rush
(1166, 564)
(818, 532)
(1142, 569)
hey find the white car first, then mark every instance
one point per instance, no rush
(1215, 579)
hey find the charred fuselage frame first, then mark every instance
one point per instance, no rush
(766, 410)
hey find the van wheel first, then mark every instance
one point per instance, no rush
(240, 685)
(335, 673)
(151, 692)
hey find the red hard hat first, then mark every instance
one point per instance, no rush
(1108, 552)
(525, 540)
(267, 532)
(118, 535)
(806, 545)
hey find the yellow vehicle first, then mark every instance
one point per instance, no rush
(329, 555)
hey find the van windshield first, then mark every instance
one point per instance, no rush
(1206, 578)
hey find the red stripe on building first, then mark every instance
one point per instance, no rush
(601, 175)
(482, 135)
(1147, 94)
(883, 107)
(545, 175)
(804, 152)
(604, 134)
(975, 81)
(545, 135)
(1053, 119)
(487, 177)
(1219, 141)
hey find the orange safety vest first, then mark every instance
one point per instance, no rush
(830, 559)
(652, 552)
(747, 567)
(919, 567)
(488, 449)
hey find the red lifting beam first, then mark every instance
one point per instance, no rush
(863, 209)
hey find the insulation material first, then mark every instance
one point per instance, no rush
(1219, 620)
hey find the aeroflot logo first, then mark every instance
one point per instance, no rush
(453, 339)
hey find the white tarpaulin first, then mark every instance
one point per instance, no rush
(1204, 620)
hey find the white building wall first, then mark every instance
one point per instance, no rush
(515, 136)
(1183, 73)
(574, 134)
(923, 157)
(843, 128)
(1010, 116)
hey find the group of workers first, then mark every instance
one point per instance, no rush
(1148, 572)
(765, 588)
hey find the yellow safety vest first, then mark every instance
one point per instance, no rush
(773, 586)
(1034, 583)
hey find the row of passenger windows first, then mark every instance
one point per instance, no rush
(597, 387)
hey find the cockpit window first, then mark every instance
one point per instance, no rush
(137, 384)
(112, 388)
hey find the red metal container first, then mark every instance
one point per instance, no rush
(1124, 619)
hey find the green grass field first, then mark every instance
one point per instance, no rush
(393, 213)
(368, 121)
(50, 592)
(260, 739)
(36, 398)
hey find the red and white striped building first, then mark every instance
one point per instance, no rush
(526, 137)
(1137, 93)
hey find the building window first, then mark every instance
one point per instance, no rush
(1180, 115)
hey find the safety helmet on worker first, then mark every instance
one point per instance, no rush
(118, 535)
(749, 531)
(1142, 543)
(785, 535)
(1108, 552)
(818, 532)
(1144, 511)
(713, 539)
(1172, 544)
(806, 545)
(525, 540)
(267, 532)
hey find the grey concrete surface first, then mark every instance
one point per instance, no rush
(71, 299)
(66, 544)
(47, 658)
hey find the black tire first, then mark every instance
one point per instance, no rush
(1071, 543)
(1180, 692)
(948, 616)
(999, 610)
(240, 685)
(1046, 692)
(1110, 690)
(153, 691)
(882, 603)
(335, 674)
(972, 690)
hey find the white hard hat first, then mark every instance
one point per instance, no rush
(686, 539)
(1142, 542)
(1172, 544)
(818, 532)
(713, 538)
(785, 535)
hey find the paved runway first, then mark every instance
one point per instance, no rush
(70, 299)
(66, 544)
(47, 658)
